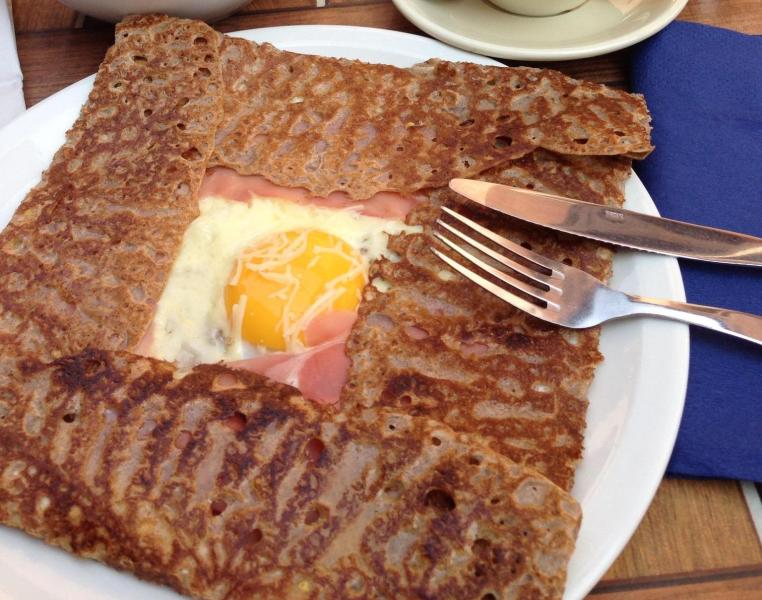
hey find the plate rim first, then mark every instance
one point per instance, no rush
(592, 576)
(410, 10)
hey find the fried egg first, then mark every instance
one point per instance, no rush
(251, 277)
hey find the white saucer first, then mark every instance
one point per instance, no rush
(597, 27)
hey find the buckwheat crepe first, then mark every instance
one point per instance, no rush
(443, 473)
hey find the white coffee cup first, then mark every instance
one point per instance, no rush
(537, 8)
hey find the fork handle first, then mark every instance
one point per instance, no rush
(739, 324)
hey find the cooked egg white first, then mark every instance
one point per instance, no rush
(260, 270)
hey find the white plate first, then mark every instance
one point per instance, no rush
(596, 27)
(635, 402)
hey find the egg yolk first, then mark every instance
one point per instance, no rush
(284, 280)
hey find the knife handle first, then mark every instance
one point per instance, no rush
(739, 324)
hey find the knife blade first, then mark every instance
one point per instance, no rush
(615, 225)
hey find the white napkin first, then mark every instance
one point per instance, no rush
(11, 92)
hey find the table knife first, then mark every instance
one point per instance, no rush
(615, 225)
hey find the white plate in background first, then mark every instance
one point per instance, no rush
(636, 399)
(597, 27)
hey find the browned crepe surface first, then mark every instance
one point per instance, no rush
(87, 254)
(327, 124)
(225, 485)
(437, 345)
(213, 490)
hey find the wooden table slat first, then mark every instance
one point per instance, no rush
(41, 15)
(740, 15)
(707, 521)
(376, 14)
(739, 583)
(259, 6)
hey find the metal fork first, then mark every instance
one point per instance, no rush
(568, 296)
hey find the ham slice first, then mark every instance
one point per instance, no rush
(324, 373)
(329, 325)
(320, 371)
(226, 183)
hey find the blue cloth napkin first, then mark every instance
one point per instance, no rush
(703, 86)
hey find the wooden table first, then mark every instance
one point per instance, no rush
(697, 539)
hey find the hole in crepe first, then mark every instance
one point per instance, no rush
(290, 69)
(148, 79)
(147, 112)
(475, 460)
(439, 500)
(318, 512)
(394, 487)
(392, 427)
(226, 381)
(314, 449)
(473, 349)
(495, 500)
(492, 81)
(567, 261)
(406, 399)
(181, 126)
(91, 366)
(489, 597)
(380, 320)
(208, 58)
(182, 189)
(481, 546)
(182, 440)
(139, 58)
(526, 245)
(200, 41)
(236, 421)
(436, 441)
(479, 571)
(191, 154)
(502, 118)
(502, 141)
(466, 123)
(69, 418)
(518, 85)
(146, 428)
(255, 536)
(530, 186)
(218, 507)
(399, 148)
(416, 333)
(204, 72)
(619, 133)
(116, 85)
(580, 141)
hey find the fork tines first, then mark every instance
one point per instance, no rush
(531, 274)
